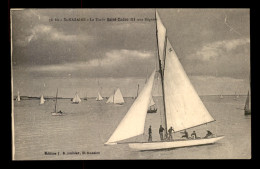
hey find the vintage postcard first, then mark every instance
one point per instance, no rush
(130, 84)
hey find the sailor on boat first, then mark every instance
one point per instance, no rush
(209, 134)
(185, 134)
(150, 134)
(170, 133)
(194, 135)
(161, 129)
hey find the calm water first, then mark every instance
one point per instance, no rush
(88, 125)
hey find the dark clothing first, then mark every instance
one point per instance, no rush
(170, 133)
(194, 134)
(150, 131)
(161, 129)
(150, 134)
(208, 134)
(185, 135)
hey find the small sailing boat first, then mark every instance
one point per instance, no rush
(18, 97)
(76, 99)
(152, 108)
(42, 100)
(55, 113)
(116, 98)
(86, 98)
(99, 97)
(183, 108)
(247, 107)
(236, 96)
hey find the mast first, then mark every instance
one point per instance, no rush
(161, 74)
(56, 100)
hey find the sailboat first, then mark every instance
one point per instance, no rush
(86, 98)
(183, 108)
(236, 96)
(42, 100)
(55, 113)
(18, 97)
(76, 99)
(99, 97)
(152, 108)
(116, 98)
(247, 107)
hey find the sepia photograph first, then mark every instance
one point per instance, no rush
(114, 83)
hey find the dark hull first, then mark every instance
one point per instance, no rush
(152, 111)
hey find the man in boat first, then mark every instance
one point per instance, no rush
(161, 129)
(150, 134)
(185, 134)
(209, 134)
(194, 135)
(170, 133)
(60, 112)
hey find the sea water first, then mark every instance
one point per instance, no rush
(81, 133)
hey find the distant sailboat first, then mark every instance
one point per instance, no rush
(247, 107)
(18, 97)
(55, 113)
(152, 108)
(86, 98)
(42, 100)
(99, 97)
(221, 96)
(76, 99)
(183, 108)
(236, 96)
(116, 98)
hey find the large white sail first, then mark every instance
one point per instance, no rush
(76, 99)
(118, 98)
(184, 109)
(161, 32)
(18, 96)
(134, 120)
(42, 100)
(110, 99)
(99, 97)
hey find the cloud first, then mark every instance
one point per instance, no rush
(122, 56)
(49, 33)
(218, 49)
(109, 61)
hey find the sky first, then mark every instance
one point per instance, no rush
(95, 54)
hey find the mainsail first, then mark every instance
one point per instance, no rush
(161, 37)
(76, 99)
(42, 100)
(184, 108)
(134, 120)
(99, 97)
